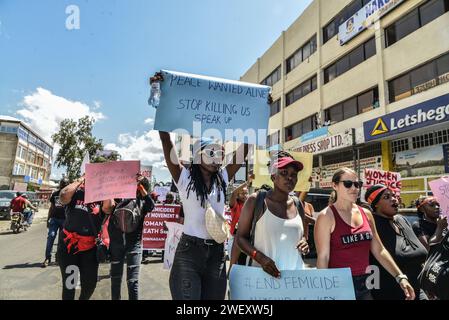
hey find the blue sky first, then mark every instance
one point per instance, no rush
(102, 69)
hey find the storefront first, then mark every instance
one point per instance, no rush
(419, 144)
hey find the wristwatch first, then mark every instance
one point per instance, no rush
(401, 277)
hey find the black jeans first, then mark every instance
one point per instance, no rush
(87, 264)
(360, 288)
(198, 271)
(121, 248)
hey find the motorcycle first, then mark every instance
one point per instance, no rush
(18, 222)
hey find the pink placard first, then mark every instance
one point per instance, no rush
(111, 180)
(440, 189)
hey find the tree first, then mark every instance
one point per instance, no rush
(75, 139)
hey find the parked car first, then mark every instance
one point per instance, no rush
(5, 201)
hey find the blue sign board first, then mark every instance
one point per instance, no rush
(222, 109)
(446, 157)
(252, 283)
(26, 178)
(315, 134)
(363, 18)
(424, 114)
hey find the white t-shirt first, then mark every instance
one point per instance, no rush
(194, 221)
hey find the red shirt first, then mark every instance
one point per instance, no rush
(235, 214)
(18, 204)
(350, 247)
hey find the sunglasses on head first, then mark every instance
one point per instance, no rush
(348, 184)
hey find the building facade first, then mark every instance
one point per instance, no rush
(345, 64)
(25, 157)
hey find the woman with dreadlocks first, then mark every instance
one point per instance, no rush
(199, 269)
(401, 242)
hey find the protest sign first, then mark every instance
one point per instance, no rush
(162, 192)
(391, 180)
(173, 237)
(111, 180)
(154, 234)
(262, 176)
(440, 189)
(146, 171)
(251, 283)
(213, 107)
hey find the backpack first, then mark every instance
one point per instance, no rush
(127, 216)
(434, 278)
(258, 213)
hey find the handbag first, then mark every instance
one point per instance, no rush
(216, 225)
(434, 278)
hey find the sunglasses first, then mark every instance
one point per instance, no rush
(214, 153)
(348, 184)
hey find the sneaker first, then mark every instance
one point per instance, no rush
(46, 263)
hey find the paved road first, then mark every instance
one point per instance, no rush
(21, 276)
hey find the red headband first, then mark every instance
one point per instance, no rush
(373, 195)
(426, 201)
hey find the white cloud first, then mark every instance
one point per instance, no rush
(147, 148)
(44, 111)
(149, 121)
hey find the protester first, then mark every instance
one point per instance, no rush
(77, 243)
(128, 245)
(431, 227)
(198, 270)
(399, 239)
(236, 202)
(169, 198)
(280, 227)
(28, 213)
(55, 220)
(345, 235)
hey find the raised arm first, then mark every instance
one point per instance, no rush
(236, 192)
(67, 193)
(171, 158)
(237, 160)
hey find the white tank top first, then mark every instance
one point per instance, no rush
(277, 238)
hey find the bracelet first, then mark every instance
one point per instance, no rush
(400, 277)
(253, 254)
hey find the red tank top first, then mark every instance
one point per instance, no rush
(18, 204)
(350, 247)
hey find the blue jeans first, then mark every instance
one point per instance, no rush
(54, 226)
(120, 249)
(198, 271)
(28, 216)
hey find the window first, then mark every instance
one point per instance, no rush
(301, 54)
(330, 73)
(342, 65)
(431, 10)
(356, 56)
(274, 77)
(423, 74)
(298, 129)
(275, 107)
(399, 145)
(350, 108)
(300, 91)
(352, 59)
(400, 88)
(443, 65)
(353, 106)
(273, 139)
(420, 79)
(370, 48)
(417, 18)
